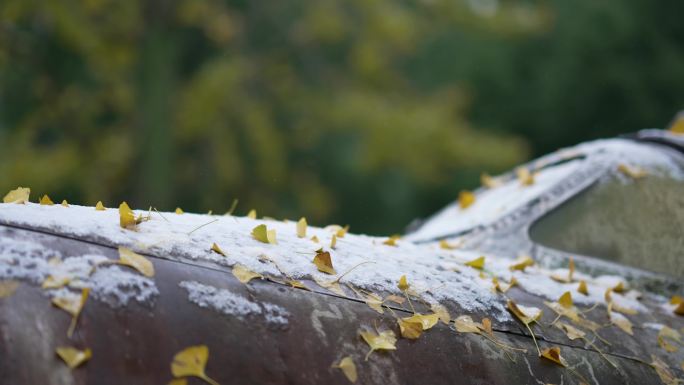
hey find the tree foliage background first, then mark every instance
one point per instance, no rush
(361, 112)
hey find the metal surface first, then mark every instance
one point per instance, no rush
(135, 344)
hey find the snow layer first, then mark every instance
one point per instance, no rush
(32, 262)
(228, 303)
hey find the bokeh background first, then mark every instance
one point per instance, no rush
(361, 112)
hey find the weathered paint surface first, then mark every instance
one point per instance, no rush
(135, 344)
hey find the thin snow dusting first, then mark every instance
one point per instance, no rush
(229, 303)
(34, 263)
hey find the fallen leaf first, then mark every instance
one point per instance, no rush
(663, 371)
(262, 234)
(7, 288)
(521, 263)
(55, 282)
(192, 362)
(620, 321)
(488, 181)
(566, 300)
(427, 321)
(679, 309)
(465, 324)
(582, 288)
(571, 332)
(526, 314)
(65, 203)
(72, 305)
(46, 201)
(503, 287)
(487, 327)
(252, 214)
(348, 368)
(410, 330)
(315, 239)
(392, 241)
(215, 248)
(573, 314)
(333, 241)
(178, 381)
(333, 286)
(676, 300)
(126, 216)
(666, 336)
(403, 284)
(553, 354)
(323, 262)
(128, 257)
(179, 210)
(72, 356)
(19, 195)
(385, 340)
(301, 228)
(443, 244)
(632, 172)
(465, 199)
(99, 206)
(244, 275)
(441, 312)
(396, 299)
(524, 175)
(341, 232)
(477, 263)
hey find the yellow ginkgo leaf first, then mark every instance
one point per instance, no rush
(566, 300)
(46, 201)
(525, 177)
(55, 282)
(441, 312)
(443, 244)
(179, 210)
(410, 330)
(72, 356)
(571, 332)
(341, 232)
(333, 241)
(465, 324)
(373, 301)
(667, 337)
(663, 371)
(72, 305)
(65, 203)
(619, 320)
(99, 206)
(632, 172)
(676, 300)
(521, 263)
(465, 199)
(526, 315)
(18, 195)
(403, 284)
(192, 362)
(553, 354)
(385, 340)
(503, 287)
(244, 275)
(477, 263)
(582, 288)
(487, 327)
(7, 288)
(262, 234)
(488, 181)
(396, 299)
(348, 368)
(323, 262)
(426, 321)
(679, 309)
(333, 286)
(128, 257)
(252, 214)
(126, 216)
(178, 381)
(392, 241)
(315, 239)
(301, 228)
(215, 248)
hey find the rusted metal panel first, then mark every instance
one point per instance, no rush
(135, 344)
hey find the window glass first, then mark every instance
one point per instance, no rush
(638, 223)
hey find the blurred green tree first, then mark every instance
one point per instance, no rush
(360, 112)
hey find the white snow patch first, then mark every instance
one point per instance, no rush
(229, 303)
